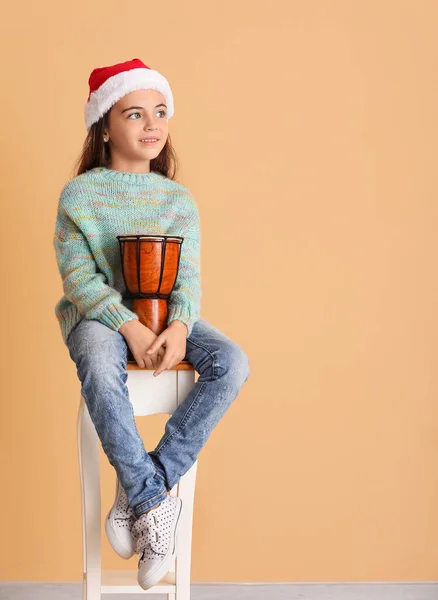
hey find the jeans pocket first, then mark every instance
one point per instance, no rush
(71, 347)
(70, 340)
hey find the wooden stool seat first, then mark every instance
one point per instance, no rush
(184, 365)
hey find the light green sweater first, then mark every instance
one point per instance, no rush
(99, 205)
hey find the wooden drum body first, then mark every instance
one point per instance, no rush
(150, 266)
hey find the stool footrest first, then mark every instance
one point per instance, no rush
(125, 582)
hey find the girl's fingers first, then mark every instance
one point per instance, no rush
(168, 363)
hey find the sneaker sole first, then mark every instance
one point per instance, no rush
(115, 542)
(156, 576)
(111, 531)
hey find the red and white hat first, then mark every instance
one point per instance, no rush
(109, 84)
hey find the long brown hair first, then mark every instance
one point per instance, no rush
(96, 153)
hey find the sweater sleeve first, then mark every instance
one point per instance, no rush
(83, 285)
(184, 303)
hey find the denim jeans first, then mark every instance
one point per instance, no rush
(100, 355)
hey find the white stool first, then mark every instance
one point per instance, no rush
(149, 395)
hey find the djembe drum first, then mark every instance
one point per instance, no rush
(150, 266)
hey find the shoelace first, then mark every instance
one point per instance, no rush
(130, 520)
(143, 538)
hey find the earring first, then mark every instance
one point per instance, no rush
(105, 139)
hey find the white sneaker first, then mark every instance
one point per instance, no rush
(118, 524)
(155, 533)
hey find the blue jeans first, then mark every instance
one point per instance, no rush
(100, 355)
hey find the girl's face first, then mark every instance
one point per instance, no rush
(139, 114)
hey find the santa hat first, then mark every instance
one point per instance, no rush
(109, 84)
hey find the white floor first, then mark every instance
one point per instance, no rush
(13, 590)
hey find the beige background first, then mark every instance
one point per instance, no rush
(307, 132)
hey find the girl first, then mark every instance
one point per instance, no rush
(125, 184)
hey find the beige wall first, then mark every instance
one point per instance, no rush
(307, 131)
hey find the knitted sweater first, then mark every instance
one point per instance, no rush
(99, 205)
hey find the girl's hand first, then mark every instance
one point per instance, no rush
(175, 339)
(139, 338)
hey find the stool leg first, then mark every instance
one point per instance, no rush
(88, 454)
(186, 490)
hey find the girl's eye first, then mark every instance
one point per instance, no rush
(137, 113)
